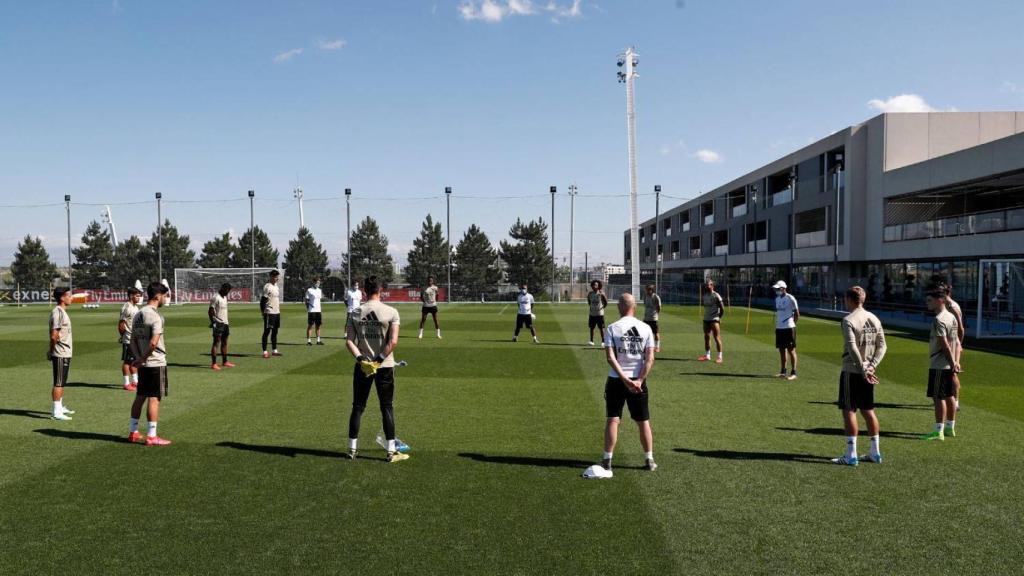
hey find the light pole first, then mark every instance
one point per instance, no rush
(302, 217)
(753, 198)
(792, 222)
(835, 247)
(629, 60)
(448, 235)
(553, 263)
(252, 246)
(159, 238)
(572, 237)
(67, 208)
(657, 237)
(348, 235)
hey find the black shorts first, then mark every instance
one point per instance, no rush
(785, 338)
(126, 354)
(271, 321)
(615, 395)
(653, 324)
(596, 322)
(384, 379)
(940, 383)
(429, 310)
(314, 318)
(221, 331)
(61, 369)
(523, 320)
(152, 382)
(708, 324)
(855, 392)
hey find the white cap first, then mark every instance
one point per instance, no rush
(779, 284)
(597, 472)
(166, 285)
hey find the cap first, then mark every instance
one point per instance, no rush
(779, 284)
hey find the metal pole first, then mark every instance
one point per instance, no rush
(572, 239)
(67, 208)
(553, 263)
(302, 217)
(348, 235)
(657, 237)
(159, 238)
(629, 60)
(835, 248)
(792, 222)
(252, 246)
(586, 267)
(448, 235)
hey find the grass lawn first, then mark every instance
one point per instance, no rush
(500, 432)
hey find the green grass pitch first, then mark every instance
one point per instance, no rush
(500, 432)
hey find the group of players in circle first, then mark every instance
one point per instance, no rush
(372, 331)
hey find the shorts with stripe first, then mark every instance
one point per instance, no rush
(126, 354)
(595, 322)
(940, 383)
(616, 396)
(855, 392)
(61, 369)
(152, 382)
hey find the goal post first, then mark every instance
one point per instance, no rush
(198, 285)
(1000, 312)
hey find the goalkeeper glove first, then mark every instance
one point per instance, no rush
(368, 367)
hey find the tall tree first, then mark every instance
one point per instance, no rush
(369, 254)
(93, 258)
(217, 253)
(266, 254)
(32, 267)
(176, 251)
(304, 259)
(131, 263)
(528, 258)
(429, 255)
(475, 264)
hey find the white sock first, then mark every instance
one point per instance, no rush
(719, 353)
(58, 407)
(127, 380)
(707, 353)
(317, 338)
(938, 427)
(133, 425)
(438, 331)
(851, 446)
(391, 445)
(308, 340)
(152, 430)
(606, 456)
(874, 445)
(421, 332)
(649, 455)
(275, 351)
(353, 443)
(135, 378)
(951, 424)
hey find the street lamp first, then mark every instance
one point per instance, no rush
(657, 237)
(67, 208)
(628, 62)
(553, 264)
(573, 191)
(835, 247)
(252, 246)
(448, 235)
(348, 235)
(159, 238)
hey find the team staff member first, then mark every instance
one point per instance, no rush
(598, 302)
(428, 296)
(863, 350)
(955, 310)
(314, 314)
(371, 337)
(270, 307)
(525, 315)
(714, 309)
(59, 353)
(124, 328)
(151, 360)
(218, 313)
(629, 350)
(353, 296)
(942, 345)
(652, 308)
(787, 312)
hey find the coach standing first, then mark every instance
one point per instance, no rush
(786, 314)
(59, 353)
(270, 307)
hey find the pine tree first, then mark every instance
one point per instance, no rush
(475, 267)
(528, 258)
(131, 263)
(303, 260)
(93, 258)
(369, 254)
(429, 255)
(266, 254)
(176, 252)
(32, 268)
(217, 253)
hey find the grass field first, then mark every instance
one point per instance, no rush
(255, 481)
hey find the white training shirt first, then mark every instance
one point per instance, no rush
(785, 309)
(313, 296)
(630, 338)
(353, 298)
(525, 303)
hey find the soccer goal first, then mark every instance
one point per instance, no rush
(1000, 299)
(200, 284)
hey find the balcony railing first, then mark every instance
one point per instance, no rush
(739, 210)
(721, 250)
(782, 196)
(759, 246)
(694, 252)
(980, 223)
(809, 239)
(709, 219)
(686, 226)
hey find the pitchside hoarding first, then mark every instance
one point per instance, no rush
(201, 296)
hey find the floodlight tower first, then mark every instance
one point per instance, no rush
(108, 219)
(302, 216)
(628, 62)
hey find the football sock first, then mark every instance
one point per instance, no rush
(851, 446)
(317, 338)
(152, 430)
(719, 354)
(133, 425)
(391, 445)
(135, 378)
(938, 427)
(353, 443)
(127, 380)
(649, 455)
(707, 353)
(606, 456)
(874, 445)
(951, 424)
(309, 341)
(438, 331)
(421, 334)
(57, 407)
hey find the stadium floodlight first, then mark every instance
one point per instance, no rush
(67, 208)
(252, 246)
(657, 237)
(573, 191)
(835, 219)
(448, 236)
(302, 217)
(159, 238)
(348, 235)
(554, 264)
(108, 219)
(629, 60)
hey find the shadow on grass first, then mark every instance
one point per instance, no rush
(76, 435)
(527, 461)
(737, 455)
(231, 355)
(730, 375)
(183, 365)
(841, 432)
(884, 405)
(666, 359)
(25, 413)
(89, 385)
(289, 451)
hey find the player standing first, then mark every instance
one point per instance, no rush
(954, 309)
(652, 308)
(942, 344)
(124, 328)
(629, 350)
(353, 296)
(270, 307)
(428, 296)
(314, 315)
(59, 353)
(714, 309)
(151, 360)
(525, 315)
(371, 336)
(787, 312)
(598, 302)
(218, 313)
(863, 350)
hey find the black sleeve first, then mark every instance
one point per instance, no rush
(263, 305)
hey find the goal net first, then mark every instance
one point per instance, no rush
(1000, 299)
(200, 284)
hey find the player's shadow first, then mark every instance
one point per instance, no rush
(184, 365)
(739, 455)
(231, 355)
(730, 375)
(289, 451)
(90, 385)
(841, 432)
(527, 460)
(883, 405)
(77, 435)
(25, 413)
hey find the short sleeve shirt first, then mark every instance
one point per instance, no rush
(219, 304)
(147, 324)
(597, 302)
(313, 297)
(128, 312)
(61, 322)
(370, 327)
(785, 310)
(352, 299)
(525, 303)
(430, 296)
(273, 295)
(629, 338)
(651, 305)
(712, 304)
(863, 330)
(944, 327)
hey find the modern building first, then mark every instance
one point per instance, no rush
(894, 201)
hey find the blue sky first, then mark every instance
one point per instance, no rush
(113, 101)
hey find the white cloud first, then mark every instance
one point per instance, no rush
(902, 103)
(1012, 88)
(287, 55)
(494, 11)
(521, 7)
(336, 44)
(708, 156)
(665, 150)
